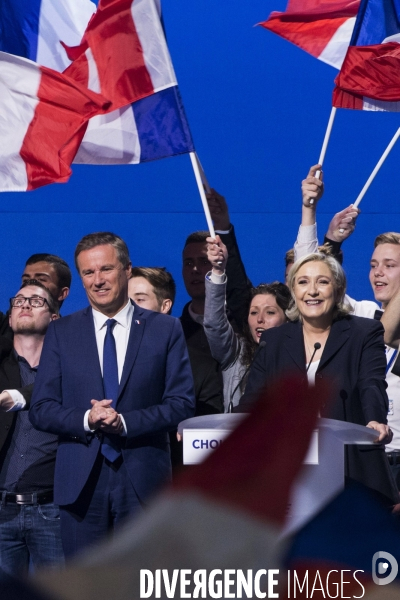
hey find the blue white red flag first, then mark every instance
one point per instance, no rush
(136, 132)
(370, 75)
(322, 28)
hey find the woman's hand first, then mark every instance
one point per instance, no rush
(217, 254)
(385, 433)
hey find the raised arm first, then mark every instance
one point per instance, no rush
(238, 284)
(222, 339)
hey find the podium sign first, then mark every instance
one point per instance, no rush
(200, 443)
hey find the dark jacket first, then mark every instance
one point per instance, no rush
(353, 362)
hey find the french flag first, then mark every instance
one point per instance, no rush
(370, 75)
(322, 28)
(155, 126)
(42, 115)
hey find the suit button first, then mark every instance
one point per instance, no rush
(6, 427)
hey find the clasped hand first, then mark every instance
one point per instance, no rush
(102, 416)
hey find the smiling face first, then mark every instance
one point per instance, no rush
(264, 313)
(385, 272)
(195, 267)
(104, 278)
(314, 292)
(28, 320)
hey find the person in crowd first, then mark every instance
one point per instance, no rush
(53, 272)
(113, 380)
(323, 341)
(289, 260)
(29, 519)
(235, 353)
(154, 288)
(385, 281)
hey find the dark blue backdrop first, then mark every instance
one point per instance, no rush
(258, 108)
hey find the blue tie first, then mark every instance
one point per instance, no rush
(110, 382)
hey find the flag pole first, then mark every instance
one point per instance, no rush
(197, 174)
(325, 143)
(378, 166)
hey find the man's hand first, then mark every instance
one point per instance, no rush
(343, 224)
(219, 210)
(98, 412)
(385, 433)
(312, 188)
(217, 254)
(6, 402)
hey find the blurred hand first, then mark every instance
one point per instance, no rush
(385, 433)
(312, 188)
(219, 210)
(343, 224)
(6, 402)
(217, 254)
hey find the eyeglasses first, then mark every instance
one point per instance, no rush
(34, 301)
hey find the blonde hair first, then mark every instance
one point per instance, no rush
(387, 238)
(342, 308)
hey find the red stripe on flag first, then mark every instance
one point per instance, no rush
(254, 468)
(55, 133)
(312, 36)
(371, 71)
(322, 7)
(113, 40)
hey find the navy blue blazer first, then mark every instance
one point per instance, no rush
(155, 394)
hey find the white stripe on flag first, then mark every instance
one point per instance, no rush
(64, 21)
(334, 52)
(110, 139)
(155, 51)
(94, 81)
(18, 94)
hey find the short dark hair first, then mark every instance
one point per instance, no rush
(53, 304)
(62, 269)
(197, 237)
(289, 257)
(104, 238)
(160, 279)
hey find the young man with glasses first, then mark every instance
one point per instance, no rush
(29, 520)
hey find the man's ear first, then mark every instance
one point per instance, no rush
(166, 306)
(63, 293)
(54, 317)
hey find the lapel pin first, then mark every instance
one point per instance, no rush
(137, 322)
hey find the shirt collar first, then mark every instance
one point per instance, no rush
(123, 317)
(197, 318)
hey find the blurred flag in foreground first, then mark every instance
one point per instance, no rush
(321, 27)
(351, 549)
(370, 75)
(226, 513)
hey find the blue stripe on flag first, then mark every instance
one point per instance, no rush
(376, 20)
(19, 26)
(162, 126)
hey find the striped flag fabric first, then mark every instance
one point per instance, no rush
(224, 514)
(50, 32)
(369, 78)
(42, 114)
(322, 28)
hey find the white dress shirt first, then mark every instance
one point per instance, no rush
(121, 333)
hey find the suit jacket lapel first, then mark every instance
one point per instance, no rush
(135, 337)
(338, 336)
(294, 344)
(90, 355)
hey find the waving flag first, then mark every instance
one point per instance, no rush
(370, 75)
(321, 27)
(42, 113)
(154, 127)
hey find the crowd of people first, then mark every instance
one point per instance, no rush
(90, 402)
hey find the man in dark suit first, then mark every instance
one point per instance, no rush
(29, 520)
(113, 380)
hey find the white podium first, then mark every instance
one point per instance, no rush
(322, 475)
